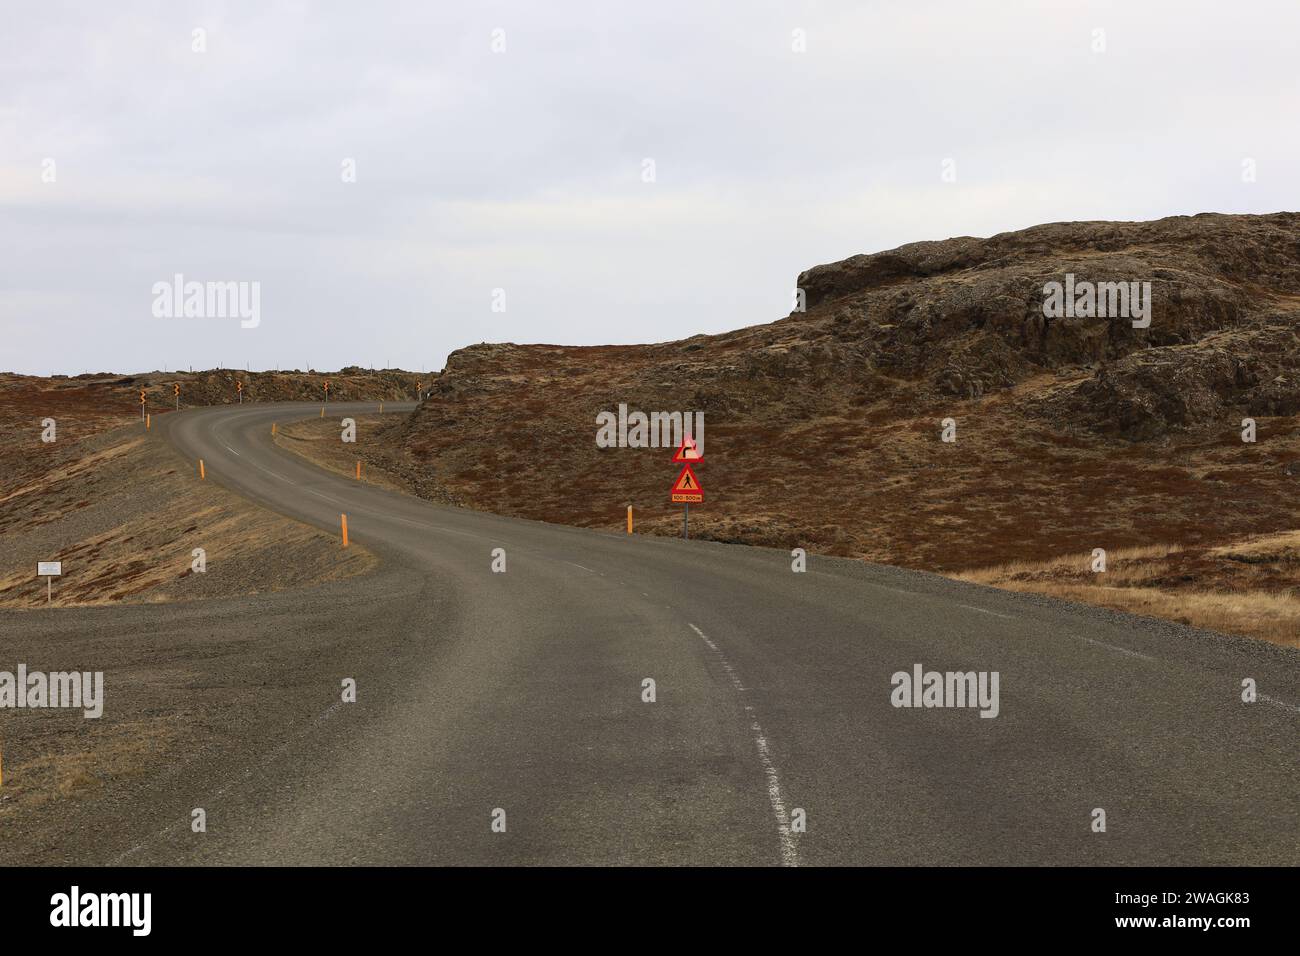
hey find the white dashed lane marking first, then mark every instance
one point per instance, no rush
(1116, 648)
(789, 852)
(971, 607)
(1279, 703)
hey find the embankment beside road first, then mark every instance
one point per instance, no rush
(125, 516)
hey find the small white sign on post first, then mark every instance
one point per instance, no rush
(50, 569)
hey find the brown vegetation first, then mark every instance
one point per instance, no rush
(823, 428)
(124, 513)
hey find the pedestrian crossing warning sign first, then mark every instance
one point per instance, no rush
(686, 489)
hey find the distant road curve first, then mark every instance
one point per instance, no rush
(772, 738)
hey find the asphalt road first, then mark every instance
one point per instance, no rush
(523, 691)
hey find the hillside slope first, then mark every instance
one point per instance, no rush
(111, 501)
(823, 428)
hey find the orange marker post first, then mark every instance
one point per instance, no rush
(272, 428)
(345, 530)
(202, 474)
(629, 519)
(148, 422)
(358, 470)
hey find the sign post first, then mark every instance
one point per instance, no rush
(50, 569)
(687, 488)
(177, 389)
(239, 387)
(142, 404)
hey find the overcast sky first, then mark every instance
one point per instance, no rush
(524, 170)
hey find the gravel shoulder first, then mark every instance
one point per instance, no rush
(126, 514)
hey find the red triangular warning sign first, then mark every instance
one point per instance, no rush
(686, 489)
(688, 452)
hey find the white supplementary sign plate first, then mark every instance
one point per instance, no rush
(46, 568)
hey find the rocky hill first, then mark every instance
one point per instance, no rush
(965, 317)
(824, 428)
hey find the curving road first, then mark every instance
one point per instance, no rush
(523, 691)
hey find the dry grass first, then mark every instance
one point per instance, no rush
(1261, 549)
(317, 440)
(1124, 567)
(1250, 587)
(125, 517)
(79, 757)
